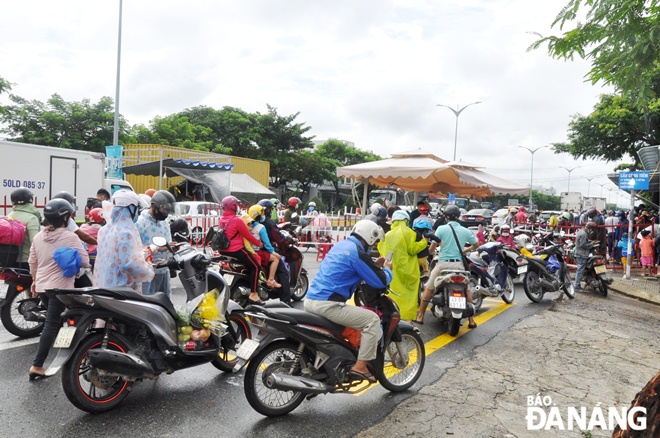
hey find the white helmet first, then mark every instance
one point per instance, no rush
(374, 208)
(312, 204)
(124, 198)
(400, 215)
(368, 230)
(505, 230)
(521, 240)
(145, 201)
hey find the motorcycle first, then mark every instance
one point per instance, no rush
(297, 355)
(595, 275)
(449, 300)
(22, 315)
(547, 271)
(114, 337)
(492, 270)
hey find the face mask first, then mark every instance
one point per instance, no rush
(311, 208)
(262, 219)
(159, 215)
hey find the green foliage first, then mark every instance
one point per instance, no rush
(320, 206)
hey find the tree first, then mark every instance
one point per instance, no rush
(231, 127)
(312, 168)
(177, 130)
(72, 125)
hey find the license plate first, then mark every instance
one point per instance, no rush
(229, 278)
(64, 337)
(600, 269)
(522, 269)
(4, 287)
(247, 348)
(457, 302)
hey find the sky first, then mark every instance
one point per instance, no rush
(371, 72)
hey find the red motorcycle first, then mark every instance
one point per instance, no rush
(22, 315)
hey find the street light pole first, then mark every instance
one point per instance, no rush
(457, 112)
(115, 130)
(601, 188)
(569, 176)
(531, 175)
(589, 185)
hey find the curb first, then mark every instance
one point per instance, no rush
(633, 293)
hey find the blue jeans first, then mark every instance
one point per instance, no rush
(160, 283)
(581, 264)
(51, 327)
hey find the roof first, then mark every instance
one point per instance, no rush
(153, 168)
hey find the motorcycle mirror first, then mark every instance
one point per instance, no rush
(159, 241)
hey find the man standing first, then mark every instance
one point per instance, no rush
(610, 224)
(583, 247)
(152, 223)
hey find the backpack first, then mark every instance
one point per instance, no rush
(220, 241)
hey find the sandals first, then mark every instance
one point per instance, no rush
(272, 283)
(472, 325)
(257, 302)
(363, 376)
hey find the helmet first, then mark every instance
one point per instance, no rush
(423, 208)
(230, 203)
(65, 195)
(382, 213)
(164, 200)
(267, 203)
(591, 213)
(591, 225)
(125, 198)
(145, 201)
(312, 204)
(368, 231)
(21, 196)
(513, 210)
(522, 208)
(422, 223)
(521, 240)
(58, 211)
(452, 212)
(505, 230)
(180, 230)
(150, 192)
(374, 208)
(294, 202)
(566, 215)
(95, 215)
(255, 211)
(400, 215)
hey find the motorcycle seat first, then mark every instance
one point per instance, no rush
(309, 318)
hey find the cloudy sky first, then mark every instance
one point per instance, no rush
(368, 71)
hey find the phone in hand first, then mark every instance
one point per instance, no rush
(388, 257)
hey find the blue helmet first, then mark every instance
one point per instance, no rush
(422, 223)
(400, 215)
(266, 203)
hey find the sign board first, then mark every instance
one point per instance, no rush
(451, 199)
(634, 180)
(513, 202)
(115, 161)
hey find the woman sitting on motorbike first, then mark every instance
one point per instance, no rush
(505, 236)
(235, 230)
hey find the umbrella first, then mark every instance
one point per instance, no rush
(420, 171)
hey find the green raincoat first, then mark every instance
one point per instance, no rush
(400, 241)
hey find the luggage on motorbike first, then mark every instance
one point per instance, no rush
(12, 235)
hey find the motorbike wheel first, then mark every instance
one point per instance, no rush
(509, 292)
(228, 345)
(82, 384)
(12, 315)
(602, 287)
(401, 364)
(533, 289)
(279, 357)
(302, 284)
(567, 286)
(453, 326)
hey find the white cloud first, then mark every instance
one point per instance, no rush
(370, 72)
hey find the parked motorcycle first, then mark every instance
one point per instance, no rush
(22, 315)
(297, 355)
(547, 271)
(492, 270)
(114, 337)
(449, 300)
(595, 275)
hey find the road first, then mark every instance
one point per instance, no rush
(203, 401)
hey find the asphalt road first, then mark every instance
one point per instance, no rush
(203, 401)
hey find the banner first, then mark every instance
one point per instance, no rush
(115, 162)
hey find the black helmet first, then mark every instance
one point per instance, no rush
(180, 230)
(591, 213)
(452, 212)
(57, 212)
(164, 200)
(65, 195)
(21, 196)
(591, 225)
(266, 203)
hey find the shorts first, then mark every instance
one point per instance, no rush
(647, 260)
(263, 256)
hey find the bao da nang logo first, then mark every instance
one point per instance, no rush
(543, 414)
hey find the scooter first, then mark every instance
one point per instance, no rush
(22, 315)
(449, 301)
(114, 337)
(547, 271)
(297, 355)
(492, 270)
(595, 275)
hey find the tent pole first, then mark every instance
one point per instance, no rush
(365, 194)
(160, 171)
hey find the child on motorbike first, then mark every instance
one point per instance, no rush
(94, 223)
(266, 254)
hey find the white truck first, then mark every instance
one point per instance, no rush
(571, 201)
(47, 170)
(594, 202)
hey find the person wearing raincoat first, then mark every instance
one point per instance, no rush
(401, 242)
(120, 258)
